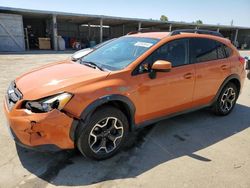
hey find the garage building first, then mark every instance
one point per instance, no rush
(23, 29)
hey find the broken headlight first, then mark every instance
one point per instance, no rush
(49, 103)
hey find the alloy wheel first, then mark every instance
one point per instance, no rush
(106, 135)
(227, 100)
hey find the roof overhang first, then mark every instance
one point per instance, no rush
(109, 20)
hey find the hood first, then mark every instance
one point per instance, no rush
(55, 78)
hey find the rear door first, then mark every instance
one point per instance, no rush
(211, 67)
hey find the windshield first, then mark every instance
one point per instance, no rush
(119, 53)
(103, 43)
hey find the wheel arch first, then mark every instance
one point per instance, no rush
(234, 78)
(119, 101)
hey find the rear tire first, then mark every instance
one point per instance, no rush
(104, 135)
(226, 100)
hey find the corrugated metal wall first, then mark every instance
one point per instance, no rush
(11, 33)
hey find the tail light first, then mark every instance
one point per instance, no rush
(242, 60)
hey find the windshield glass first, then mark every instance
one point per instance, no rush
(103, 43)
(119, 53)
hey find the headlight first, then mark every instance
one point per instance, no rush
(49, 103)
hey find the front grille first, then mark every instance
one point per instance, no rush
(13, 95)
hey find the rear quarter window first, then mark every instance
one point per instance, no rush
(228, 51)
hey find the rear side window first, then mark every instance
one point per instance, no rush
(202, 50)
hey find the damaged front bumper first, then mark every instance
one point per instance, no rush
(47, 131)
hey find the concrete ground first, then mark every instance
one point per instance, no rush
(192, 150)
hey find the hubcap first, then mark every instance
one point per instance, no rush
(106, 135)
(227, 100)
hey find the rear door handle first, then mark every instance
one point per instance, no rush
(188, 76)
(224, 67)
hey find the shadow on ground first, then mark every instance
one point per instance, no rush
(169, 139)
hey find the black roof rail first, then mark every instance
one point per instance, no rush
(199, 31)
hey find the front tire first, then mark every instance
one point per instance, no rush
(226, 100)
(105, 133)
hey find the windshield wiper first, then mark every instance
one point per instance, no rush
(92, 64)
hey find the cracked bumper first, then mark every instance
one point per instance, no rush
(47, 131)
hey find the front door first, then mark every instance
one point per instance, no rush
(168, 92)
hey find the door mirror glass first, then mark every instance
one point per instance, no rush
(162, 66)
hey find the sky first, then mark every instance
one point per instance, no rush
(210, 11)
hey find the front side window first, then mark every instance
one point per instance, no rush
(119, 53)
(176, 52)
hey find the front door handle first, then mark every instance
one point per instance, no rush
(188, 76)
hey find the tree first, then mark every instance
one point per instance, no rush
(199, 22)
(164, 18)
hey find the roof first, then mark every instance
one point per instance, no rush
(161, 35)
(155, 35)
(109, 20)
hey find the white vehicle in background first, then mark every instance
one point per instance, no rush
(81, 53)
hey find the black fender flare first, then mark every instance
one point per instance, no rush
(78, 125)
(225, 82)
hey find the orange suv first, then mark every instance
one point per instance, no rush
(128, 83)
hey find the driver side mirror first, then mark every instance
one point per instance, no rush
(160, 66)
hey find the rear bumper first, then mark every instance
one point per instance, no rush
(44, 131)
(248, 74)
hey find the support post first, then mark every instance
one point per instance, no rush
(101, 30)
(27, 38)
(123, 29)
(218, 29)
(139, 26)
(78, 31)
(170, 27)
(110, 32)
(89, 31)
(236, 36)
(54, 27)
